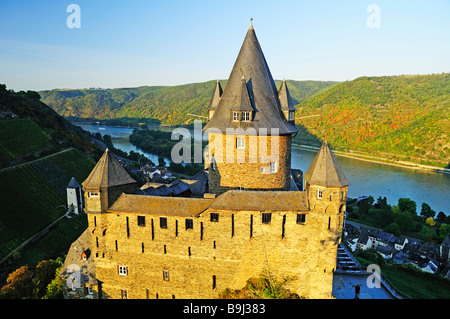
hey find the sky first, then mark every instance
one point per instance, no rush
(145, 42)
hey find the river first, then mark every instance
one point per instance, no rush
(366, 178)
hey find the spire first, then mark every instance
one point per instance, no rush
(325, 170)
(285, 98)
(244, 103)
(108, 172)
(262, 92)
(216, 97)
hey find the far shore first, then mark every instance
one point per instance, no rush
(380, 160)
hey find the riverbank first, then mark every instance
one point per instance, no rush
(374, 159)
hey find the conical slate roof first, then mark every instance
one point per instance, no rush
(325, 170)
(263, 95)
(216, 97)
(108, 172)
(73, 183)
(285, 98)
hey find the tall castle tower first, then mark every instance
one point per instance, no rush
(250, 125)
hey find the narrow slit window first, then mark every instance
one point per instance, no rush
(266, 218)
(141, 221)
(163, 222)
(301, 218)
(189, 223)
(214, 282)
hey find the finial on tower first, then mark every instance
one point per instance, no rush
(251, 24)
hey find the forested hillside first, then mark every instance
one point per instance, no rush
(171, 104)
(406, 116)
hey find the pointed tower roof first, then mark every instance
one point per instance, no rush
(262, 92)
(243, 100)
(216, 97)
(285, 98)
(108, 172)
(325, 170)
(73, 183)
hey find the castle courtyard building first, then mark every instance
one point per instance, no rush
(253, 220)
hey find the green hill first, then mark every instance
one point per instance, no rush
(407, 117)
(34, 195)
(27, 125)
(169, 104)
(40, 152)
(19, 137)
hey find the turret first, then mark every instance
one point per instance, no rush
(105, 183)
(327, 187)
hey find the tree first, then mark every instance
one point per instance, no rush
(394, 229)
(407, 205)
(404, 220)
(430, 221)
(55, 287)
(444, 230)
(426, 211)
(440, 217)
(44, 273)
(19, 284)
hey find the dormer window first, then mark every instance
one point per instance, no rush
(246, 116)
(236, 116)
(291, 115)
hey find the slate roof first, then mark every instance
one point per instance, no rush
(108, 172)
(87, 267)
(262, 200)
(174, 189)
(73, 183)
(216, 97)
(160, 205)
(262, 93)
(325, 170)
(285, 98)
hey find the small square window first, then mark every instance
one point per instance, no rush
(301, 218)
(214, 217)
(163, 222)
(236, 116)
(240, 142)
(123, 270)
(246, 116)
(189, 223)
(266, 218)
(141, 221)
(166, 275)
(319, 194)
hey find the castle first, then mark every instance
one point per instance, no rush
(255, 214)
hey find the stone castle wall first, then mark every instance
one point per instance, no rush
(249, 168)
(203, 261)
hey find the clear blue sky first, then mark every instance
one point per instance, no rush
(135, 43)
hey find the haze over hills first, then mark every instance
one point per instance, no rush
(169, 104)
(402, 116)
